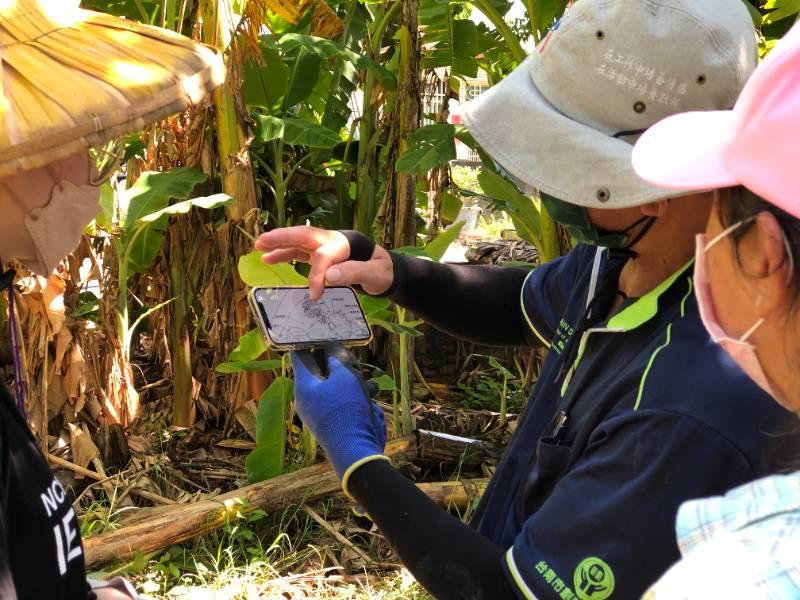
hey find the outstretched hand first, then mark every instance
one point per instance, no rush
(329, 254)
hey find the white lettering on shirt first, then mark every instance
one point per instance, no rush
(53, 497)
(64, 546)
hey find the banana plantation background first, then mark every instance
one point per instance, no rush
(146, 380)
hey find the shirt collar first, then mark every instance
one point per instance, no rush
(644, 308)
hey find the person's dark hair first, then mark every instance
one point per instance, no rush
(739, 204)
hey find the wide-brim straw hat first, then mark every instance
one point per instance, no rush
(73, 79)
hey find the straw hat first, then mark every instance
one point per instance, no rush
(74, 78)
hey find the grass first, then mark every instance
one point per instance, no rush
(285, 555)
(493, 227)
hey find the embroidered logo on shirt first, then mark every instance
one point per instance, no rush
(593, 579)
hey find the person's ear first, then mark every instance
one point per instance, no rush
(655, 209)
(767, 260)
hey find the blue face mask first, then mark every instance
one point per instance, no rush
(575, 219)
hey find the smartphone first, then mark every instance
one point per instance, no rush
(290, 320)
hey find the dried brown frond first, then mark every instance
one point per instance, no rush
(324, 20)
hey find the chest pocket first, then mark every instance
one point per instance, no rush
(551, 463)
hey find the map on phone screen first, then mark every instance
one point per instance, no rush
(295, 319)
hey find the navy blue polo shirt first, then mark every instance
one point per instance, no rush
(658, 414)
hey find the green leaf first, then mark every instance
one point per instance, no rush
(430, 146)
(385, 383)
(450, 206)
(266, 86)
(373, 305)
(780, 9)
(754, 14)
(303, 75)
(266, 460)
(268, 128)
(297, 132)
(326, 49)
(251, 345)
(147, 244)
(436, 248)
(345, 75)
(503, 371)
(407, 328)
(544, 12)
(300, 132)
(106, 217)
(522, 209)
(410, 251)
(247, 366)
(207, 202)
(255, 273)
(153, 191)
(447, 41)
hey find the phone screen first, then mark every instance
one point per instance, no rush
(292, 318)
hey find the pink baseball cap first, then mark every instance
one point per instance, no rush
(756, 144)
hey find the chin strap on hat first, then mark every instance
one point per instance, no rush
(7, 282)
(626, 251)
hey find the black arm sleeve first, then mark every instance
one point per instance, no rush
(446, 556)
(476, 303)
(473, 302)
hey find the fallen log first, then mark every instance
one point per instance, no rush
(152, 529)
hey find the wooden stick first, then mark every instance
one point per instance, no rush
(152, 529)
(336, 535)
(152, 496)
(77, 468)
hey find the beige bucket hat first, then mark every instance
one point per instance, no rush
(74, 78)
(565, 120)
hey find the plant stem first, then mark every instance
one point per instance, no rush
(280, 188)
(406, 383)
(377, 37)
(122, 299)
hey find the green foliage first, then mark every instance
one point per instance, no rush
(265, 87)
(244, 356)
(492, 386)
(266, 459)
(145, 211)
(298, 132)
(436, 248)
(255, 273)
(429, 147)
(466, 178)
(344, 74)
(777, 10)
(139, 10)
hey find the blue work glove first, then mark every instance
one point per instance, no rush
(337, 408)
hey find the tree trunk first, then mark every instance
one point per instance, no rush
(236, 171)
(153, 529)
(183, 409)
(401, 215)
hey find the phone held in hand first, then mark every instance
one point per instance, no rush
(290, 320)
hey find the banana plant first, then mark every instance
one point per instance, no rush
(451, 39)
(136, 220)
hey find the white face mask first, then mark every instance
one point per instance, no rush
(43, 222)
(55, 229)
(742, 352)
